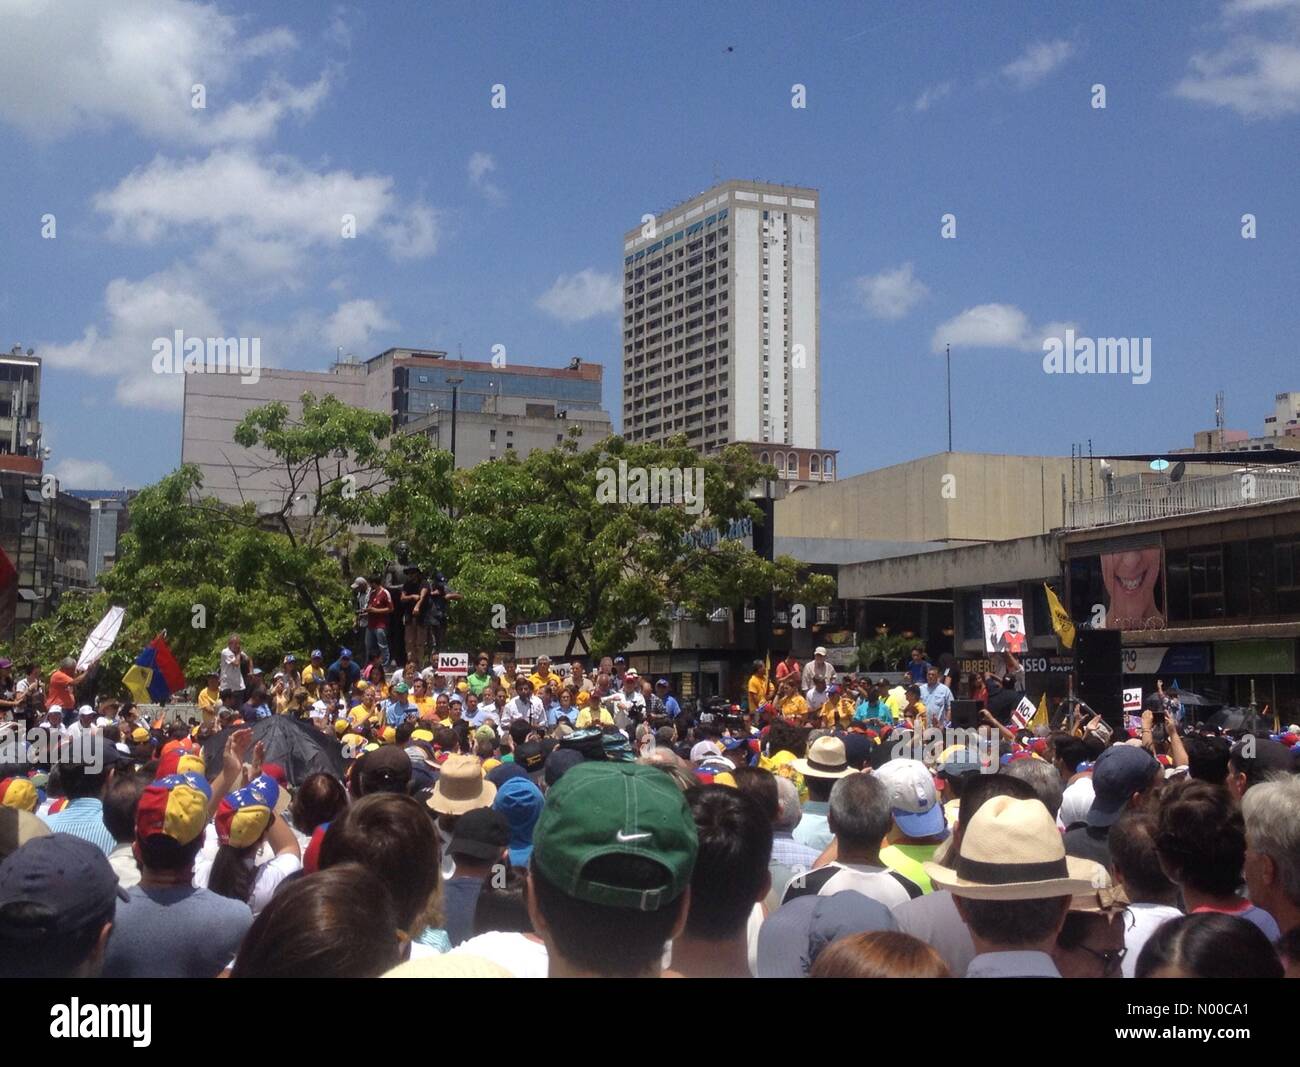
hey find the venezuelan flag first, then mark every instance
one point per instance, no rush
(156, 674)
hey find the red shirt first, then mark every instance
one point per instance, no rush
(60, 692)
(379, 598)
(782, 669)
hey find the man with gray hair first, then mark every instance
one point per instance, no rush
(789, 857)
(860, 816)
(1043, 778)
(1272, 868)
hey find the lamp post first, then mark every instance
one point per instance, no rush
(455, 384)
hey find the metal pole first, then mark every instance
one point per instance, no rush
(948, 356)
(455, 390)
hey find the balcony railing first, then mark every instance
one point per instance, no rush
(1218, 492)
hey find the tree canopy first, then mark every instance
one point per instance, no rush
(563, 533)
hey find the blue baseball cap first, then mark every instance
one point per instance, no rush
(1120, 771)
(345, 653)
(913, 798)
(69, 878)
(317, 653)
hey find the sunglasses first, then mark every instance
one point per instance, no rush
(1110, 961)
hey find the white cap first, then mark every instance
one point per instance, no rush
(819, 651)
(704, 749)
(53, 708)
(319, 710)
(359, 582)
(85, 709)
(631, 673)
(101, 721)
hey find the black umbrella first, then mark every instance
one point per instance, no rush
(1193, 700)
(295, 745)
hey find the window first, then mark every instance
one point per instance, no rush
(780, 463)
(814, 466)
(828, 464)
(764, 458)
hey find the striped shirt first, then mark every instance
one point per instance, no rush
(84, 818)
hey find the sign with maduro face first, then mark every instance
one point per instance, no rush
(1004, 626)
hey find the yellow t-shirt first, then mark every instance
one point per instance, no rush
(793, 707)
(550, 678)
(760, 689)
(209, 702)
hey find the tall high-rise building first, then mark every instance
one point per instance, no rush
(720, 319)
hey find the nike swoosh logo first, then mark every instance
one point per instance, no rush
(623, 838)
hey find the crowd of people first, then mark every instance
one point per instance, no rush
(583, 821)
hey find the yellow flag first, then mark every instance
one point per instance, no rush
(1060, 618)
(137, 681)
(1040, 716)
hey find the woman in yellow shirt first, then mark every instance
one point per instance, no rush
(790, 703)
(759, 688)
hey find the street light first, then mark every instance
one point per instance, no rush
(455, 384)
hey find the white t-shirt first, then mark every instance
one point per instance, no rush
(517, 953)
(270, 873)
(874, 882)
(1145, 919)
(1076, 801)
(816, 699)
(230, 678)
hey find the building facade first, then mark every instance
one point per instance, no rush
(21, 448)
(721, 319)
(525, 407)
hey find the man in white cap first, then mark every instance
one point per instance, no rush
(818, 668)
(85, 724)
(1013, 885)
(918, 827)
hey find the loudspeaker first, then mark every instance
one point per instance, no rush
(1098, 652)
(1099, 668)
(965, 714)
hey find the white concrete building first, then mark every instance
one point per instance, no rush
(720, 319)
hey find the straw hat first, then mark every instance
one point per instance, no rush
(461, 787)
(826, 759)
(1012, 850)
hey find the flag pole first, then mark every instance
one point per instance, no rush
(948, 355)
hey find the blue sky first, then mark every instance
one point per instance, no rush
(481, 226)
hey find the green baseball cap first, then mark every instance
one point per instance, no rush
(616, 809)
(401, 687)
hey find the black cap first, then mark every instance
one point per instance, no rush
(68, 877)
(561, 760)
(385, 770)
(531, 756)
(480, 834)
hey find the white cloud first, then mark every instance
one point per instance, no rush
(352, 324)
(263, 211)
(931, 95)
(481, 164)
(582, 296)
(995, 326)
(1238, 8)
(85, 474)
(1256, 76)
(891, 294)
(136, 314)
(71, 64)
(1037, 62)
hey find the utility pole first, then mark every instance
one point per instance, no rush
(948, 354)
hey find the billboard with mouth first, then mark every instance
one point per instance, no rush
(1134, 584)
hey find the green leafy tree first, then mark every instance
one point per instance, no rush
(885, 651)
(553, 535)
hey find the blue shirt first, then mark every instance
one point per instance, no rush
(871, 709)
(813, 830)
(937, 702)
(671, 706)
(396, 711)
(918, 671)
(555, 713)
(84, 818)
